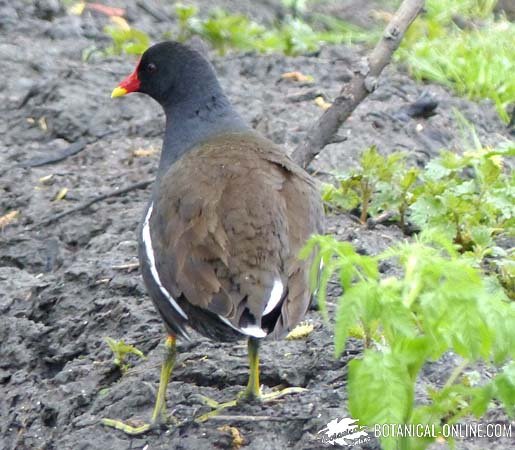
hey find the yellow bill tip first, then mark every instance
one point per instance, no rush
(118, 92)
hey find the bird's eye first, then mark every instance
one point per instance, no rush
(151, 67)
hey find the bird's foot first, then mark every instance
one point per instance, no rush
(159, 416)
(243, 397)
(281, 393)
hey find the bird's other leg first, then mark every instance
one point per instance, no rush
(253, 390)
(159, 412)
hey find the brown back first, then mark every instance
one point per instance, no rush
(233, 215)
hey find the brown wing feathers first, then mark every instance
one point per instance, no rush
(229, 241)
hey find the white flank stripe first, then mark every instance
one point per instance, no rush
(320, 267)
(147, 241)
(275, 296)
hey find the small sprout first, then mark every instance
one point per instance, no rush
(125, 39)
(186, 16)
(120, 351)
(301, 331)
(379, 183)
(357, 332)
(103, 392)
(471, 378)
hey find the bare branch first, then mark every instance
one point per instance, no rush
(362, 83)
(244, 418)
(110, 194)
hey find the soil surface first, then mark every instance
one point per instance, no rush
(65, 286)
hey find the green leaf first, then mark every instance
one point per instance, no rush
(396, 318)
(358, 306)
(481, 398)
(380, 390)
(499, 314)
(470, 336)
(488, 171)
(504, 385)
(413, 352)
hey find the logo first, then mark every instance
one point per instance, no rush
(347, 431)
(344, 431)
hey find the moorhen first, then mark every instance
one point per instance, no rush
(228, 215)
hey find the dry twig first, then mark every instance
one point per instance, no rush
(114, 193)
(362, 83)
(244, 418)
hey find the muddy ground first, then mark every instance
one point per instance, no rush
(62, 290)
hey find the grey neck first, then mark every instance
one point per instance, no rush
(191, 123)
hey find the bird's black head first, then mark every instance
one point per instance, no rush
(171, 72)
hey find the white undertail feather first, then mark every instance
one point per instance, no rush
(147, 241)
(275, 296)
(255, 330)
(251, 330)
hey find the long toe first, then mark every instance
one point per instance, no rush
(131, 427)
(216, 407)
(281, 393)
(243, 398)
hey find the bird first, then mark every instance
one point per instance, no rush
(229, 212)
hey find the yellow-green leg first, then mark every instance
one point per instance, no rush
(159, 413)
(252, 392)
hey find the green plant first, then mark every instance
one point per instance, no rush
(126, 40)
(292, 36)
(476, 61)
(468, 197)
(438, 10)
(439, 303)
(379, 182)
(295, 6)
(120, 351)
(186, 15)
(226, 30)
(340, 31)
(505, 270)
